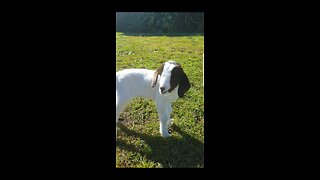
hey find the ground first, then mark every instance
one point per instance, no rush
(139, 143)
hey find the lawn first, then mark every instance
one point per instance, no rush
(139, 143)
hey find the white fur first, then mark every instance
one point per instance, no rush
(132, 83)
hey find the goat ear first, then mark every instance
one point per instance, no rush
(155, 75)
(184, 85)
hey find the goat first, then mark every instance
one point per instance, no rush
(165, 85)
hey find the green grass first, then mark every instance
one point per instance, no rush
(139, 143)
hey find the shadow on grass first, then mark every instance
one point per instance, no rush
(162, 34)
(185, 152)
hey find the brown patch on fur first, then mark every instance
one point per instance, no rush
(179, 77)
(155, 75)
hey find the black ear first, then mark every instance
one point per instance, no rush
(184, 85)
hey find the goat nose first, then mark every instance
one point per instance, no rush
(161, 89)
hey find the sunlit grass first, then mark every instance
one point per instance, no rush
(139, 143)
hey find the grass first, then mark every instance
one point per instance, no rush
(139, 143)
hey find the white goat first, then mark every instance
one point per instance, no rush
(173, 84)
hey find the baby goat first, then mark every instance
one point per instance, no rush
(172, 84)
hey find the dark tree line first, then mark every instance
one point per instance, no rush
(160, 22)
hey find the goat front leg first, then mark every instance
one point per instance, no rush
(164, 110)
